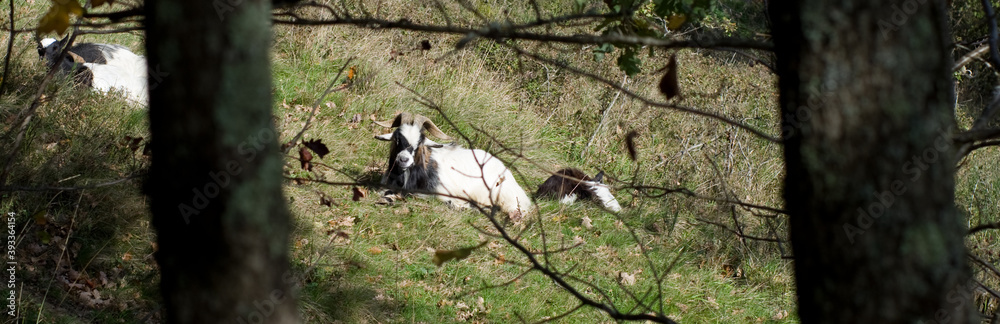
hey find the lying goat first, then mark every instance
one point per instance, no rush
(455, 174)
(104, 67)
(569, 184)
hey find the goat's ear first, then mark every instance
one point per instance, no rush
(384, 137)
(598, 177)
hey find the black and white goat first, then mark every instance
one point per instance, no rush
(455, 174)
(103, 67)
(569, 184)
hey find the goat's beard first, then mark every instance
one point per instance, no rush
(406, 177)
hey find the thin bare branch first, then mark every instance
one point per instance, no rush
(643, 99)
(28, 114)
(984, 144)
(444, 12)
(725, 190)
(986, 265)
(723, 226)
(468, 6)
(560, 316)
(993, 34)
(136, 12)
(505, 31)
(969, 57)
(752, 57)
(488, 287)
(983, 227)
(973, 135)
(663, 191)
(111, 31)
(604, 116)
(319, 100)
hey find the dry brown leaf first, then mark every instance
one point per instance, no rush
(317, 146)
(358, 193)
(626, 278)
(39, 217)
(305, 159)
(327, 201)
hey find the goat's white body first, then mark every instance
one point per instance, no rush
(110, 78)
(114, 67)
(477, 176)
(568, 199)
(603, 195)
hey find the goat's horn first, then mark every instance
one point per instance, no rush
(433, 130)
(76, 58)
(400, 119)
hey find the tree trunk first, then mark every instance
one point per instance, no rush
(215, 180)
(870, 164)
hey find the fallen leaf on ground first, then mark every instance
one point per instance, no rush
(626, 278)
(317, 146)
(305, 159)
(358, 193)
(442, 256)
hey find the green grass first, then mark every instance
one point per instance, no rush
(381, 270)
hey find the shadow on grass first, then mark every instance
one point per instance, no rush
(71, 242)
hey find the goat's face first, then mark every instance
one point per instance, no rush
(409, 140)
(48, 49)
(405, 142)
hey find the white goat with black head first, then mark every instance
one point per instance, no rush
(104, 67)
(569, 184)
(455, 174)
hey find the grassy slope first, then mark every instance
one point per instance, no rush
(550, 118)
(383, 271)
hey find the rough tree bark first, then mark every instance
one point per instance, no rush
(864, 89)
(215, 180)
